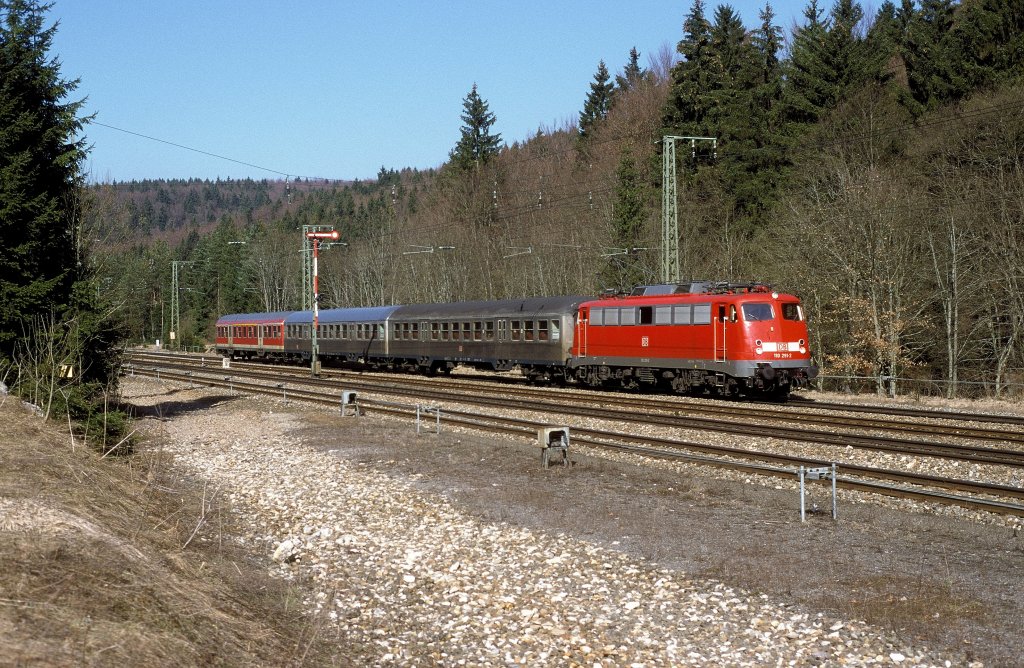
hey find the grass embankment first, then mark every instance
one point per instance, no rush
(108, 561)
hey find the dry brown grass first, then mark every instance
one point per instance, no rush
(120, 562)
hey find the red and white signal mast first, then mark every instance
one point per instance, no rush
(316, 237)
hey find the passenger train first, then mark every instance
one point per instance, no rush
(737, 339)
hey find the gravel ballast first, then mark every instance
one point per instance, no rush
(400, 566)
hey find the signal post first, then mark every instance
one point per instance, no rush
(316, 237)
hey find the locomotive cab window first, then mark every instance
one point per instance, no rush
(792, 311)
(756, 312)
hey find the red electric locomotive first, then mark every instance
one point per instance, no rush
(723, 337)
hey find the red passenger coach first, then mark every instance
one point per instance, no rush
(251, 335)
(721, 337)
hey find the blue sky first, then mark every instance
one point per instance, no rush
(339, 89)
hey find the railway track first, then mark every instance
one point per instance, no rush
(756, 421)
(1002, 499)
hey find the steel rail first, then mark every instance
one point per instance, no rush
(784, 413)
(974, 454)
(672, 449)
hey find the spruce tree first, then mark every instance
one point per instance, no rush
(477, 145)
(844, 49)
(598, 102)
(931, 66)
(810, 83)
(886, 38)
(632, 73)
(40, 154)
(694, 79)
(625, 268)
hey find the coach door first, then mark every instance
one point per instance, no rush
(502, 331)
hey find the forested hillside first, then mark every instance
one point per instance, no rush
(875, 166)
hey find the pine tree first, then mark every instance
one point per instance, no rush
(598, 102)
(40, 156)
(477, 145)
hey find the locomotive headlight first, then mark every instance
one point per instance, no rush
(803, 346)
(759, 349)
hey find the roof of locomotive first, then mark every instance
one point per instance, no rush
(253, 318)
(502, 308)
(332, 315)
(748, 293)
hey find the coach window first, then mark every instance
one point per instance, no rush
(792, 311)
(528, 330)
(467, 329)
(445, 336)
(396, 331)
(405, 331)
(478, 331)
(757, 311)
(415, 331)
(489, 330)
(542, 330)
(646, 315)
(517, 330)
(435, 331)
(555, 330)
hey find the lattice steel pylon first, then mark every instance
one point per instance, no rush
(670, 205)
(175, 328)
